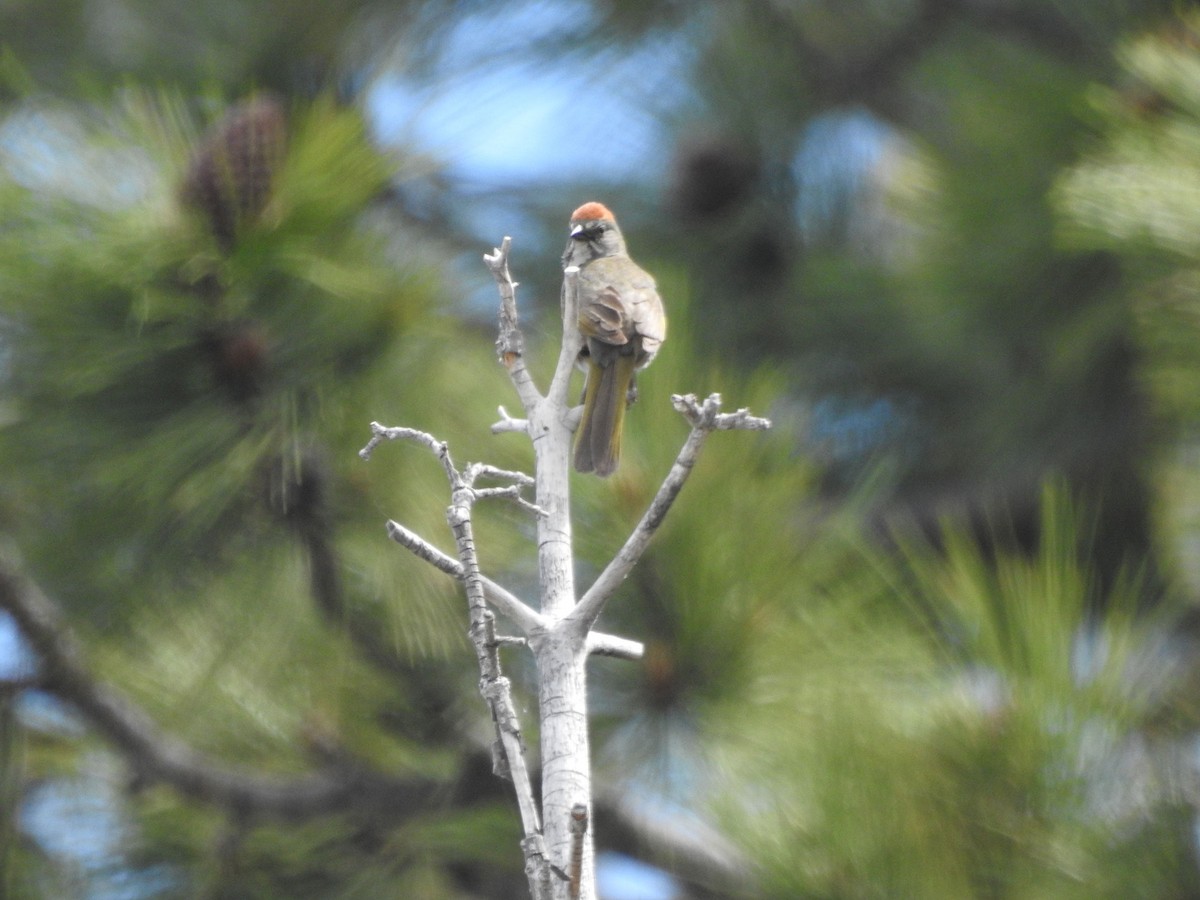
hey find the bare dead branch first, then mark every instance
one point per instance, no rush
(495, 688)
(708, 415)
(525, 618)
(509, 749)
(704, 417)
(528, 620)
(475, 471)
(537, 866)
(511, 342)
(381, 433)
(508, 424)
(601, 644)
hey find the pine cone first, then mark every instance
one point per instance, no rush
(712, 174)
(239, 353)
(230, 176)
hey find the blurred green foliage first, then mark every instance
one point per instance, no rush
(949, 247)
(945, 705)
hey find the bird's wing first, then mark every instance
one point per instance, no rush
(647, 317)
(603, 316)
(615, 315)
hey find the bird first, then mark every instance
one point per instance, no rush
(623, 325)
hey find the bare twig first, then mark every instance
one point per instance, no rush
(704, 418)
(528, 620)
(422, 549)
(511, 343)
(475, 471)
(381, 433)
(509, 750)
(708, 415)
(509, 492)
(601, 644)
(508, 640)
(508, 424)
(513, 493)
(525, 618)
(494, 687)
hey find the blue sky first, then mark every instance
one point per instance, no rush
(491, 104)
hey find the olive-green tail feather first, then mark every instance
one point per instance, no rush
(598, 441)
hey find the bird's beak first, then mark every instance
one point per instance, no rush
(576, 231)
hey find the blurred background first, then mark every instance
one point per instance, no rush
(932, 636)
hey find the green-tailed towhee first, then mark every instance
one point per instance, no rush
(623, 325)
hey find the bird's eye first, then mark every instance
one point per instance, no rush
(589, 232)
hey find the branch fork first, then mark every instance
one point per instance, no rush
(560, 631)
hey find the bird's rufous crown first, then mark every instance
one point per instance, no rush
(592, 211)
